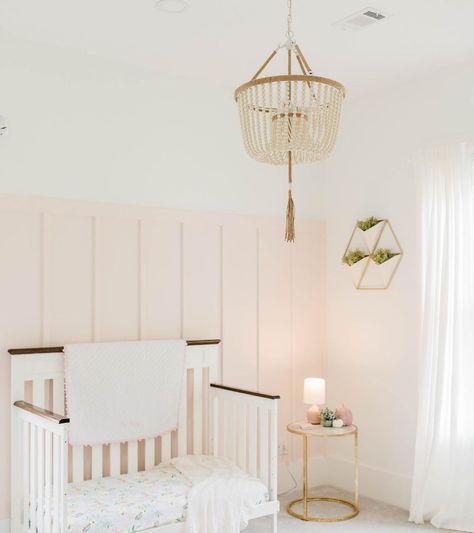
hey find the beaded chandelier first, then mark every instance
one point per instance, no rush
(289, 119)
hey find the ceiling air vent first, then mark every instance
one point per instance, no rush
(362, 19)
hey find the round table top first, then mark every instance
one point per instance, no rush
(320, 431)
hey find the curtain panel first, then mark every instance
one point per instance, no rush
(443, 481)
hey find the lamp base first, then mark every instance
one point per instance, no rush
(313, 415)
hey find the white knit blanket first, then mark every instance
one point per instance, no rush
(222, 497)
(122, 391)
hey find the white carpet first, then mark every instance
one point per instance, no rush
(374, 517)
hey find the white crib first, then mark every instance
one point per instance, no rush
(214, 420)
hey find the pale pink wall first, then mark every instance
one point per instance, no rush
(75, 271)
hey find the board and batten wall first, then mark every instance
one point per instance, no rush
(73, 271)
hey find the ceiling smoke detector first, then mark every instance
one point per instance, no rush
(362, 19)
(172, 6)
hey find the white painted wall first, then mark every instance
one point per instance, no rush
(83, 127)
(373, 335)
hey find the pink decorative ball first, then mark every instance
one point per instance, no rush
(345, 414)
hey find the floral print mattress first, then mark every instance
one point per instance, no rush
(129, 503)
(134, 502)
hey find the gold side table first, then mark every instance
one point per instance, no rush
(323, 432)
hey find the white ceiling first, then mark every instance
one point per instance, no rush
(226, 40)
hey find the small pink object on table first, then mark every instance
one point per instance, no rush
(345, 414)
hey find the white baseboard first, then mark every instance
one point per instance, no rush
(375, 483)
(5, 526)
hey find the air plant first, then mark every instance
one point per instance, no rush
(382, 254)
(353, 256)
(368, 223)
(328, 414)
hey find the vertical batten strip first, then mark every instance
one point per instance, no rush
(115, 456)
(132, 457)
(197, 412)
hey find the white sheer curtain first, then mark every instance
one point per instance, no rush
(443, 484)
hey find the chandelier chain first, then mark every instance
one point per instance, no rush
(289, 22)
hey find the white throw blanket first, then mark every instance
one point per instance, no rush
(222, 497)
(121, 391)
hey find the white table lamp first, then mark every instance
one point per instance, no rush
(314, 395)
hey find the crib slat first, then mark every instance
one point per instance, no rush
(214, 425)
(40, 481)
(96, 462)
(58, 396)
(242, 436)
(263, 434)
(77, 463)
(223, 426)
(57, 481)
(132, 457)
(63, 451)
(183, 419)
(32, 498)
(149, 453)
(47, 480)
(166, 447)
(38, 393)
(26, 473)
(252, 432)
(231, 433)
(115, 460)
(197, 412)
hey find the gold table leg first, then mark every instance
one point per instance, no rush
(305, 476)
(356, 473)
(353, 506)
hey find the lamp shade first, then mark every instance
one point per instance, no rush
(314, 391)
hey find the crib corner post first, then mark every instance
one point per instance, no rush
(274, 522)
(274, 452)
(213, 423)
(64, 475)
(17, 472)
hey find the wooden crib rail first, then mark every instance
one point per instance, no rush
(43, 413)
(60, 349)
(245, 391)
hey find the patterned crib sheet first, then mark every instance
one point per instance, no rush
(134, 502)
(129, 503)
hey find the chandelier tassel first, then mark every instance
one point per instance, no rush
(290, 219)
(290, 209)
